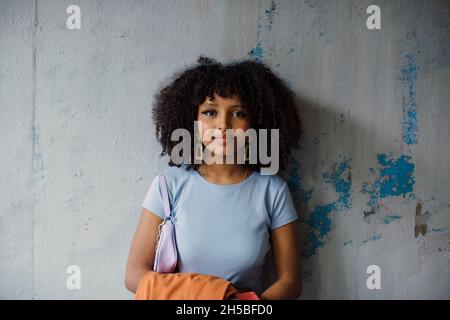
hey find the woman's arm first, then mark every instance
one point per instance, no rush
(286, 253)
(142, 251)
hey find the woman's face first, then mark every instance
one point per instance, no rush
(218, 115)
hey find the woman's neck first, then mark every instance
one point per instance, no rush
(224, 173)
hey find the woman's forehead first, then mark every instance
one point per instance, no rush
(222, 100)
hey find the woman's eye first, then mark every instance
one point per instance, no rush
(208, 113)
(240, 114)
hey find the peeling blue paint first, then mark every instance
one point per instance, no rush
(319, 222)
(409, 117)
(395, 178)
(270, 13)
(295, 182)
(341, 183)
(391, 218)
(263, 34)
(348, 243)
(373, 197)
(257, 52)
(374, 237)
(438, 229)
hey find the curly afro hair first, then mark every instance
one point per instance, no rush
(267, 98)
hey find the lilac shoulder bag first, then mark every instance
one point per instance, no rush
(166, 248)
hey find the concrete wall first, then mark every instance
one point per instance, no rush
(78, 148)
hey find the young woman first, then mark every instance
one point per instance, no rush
(227, 216)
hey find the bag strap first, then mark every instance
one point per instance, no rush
(165, 196)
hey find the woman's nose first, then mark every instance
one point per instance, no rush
(223, 124)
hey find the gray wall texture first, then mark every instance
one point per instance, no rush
(78, 151)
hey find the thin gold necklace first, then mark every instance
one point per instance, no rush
(245, 176)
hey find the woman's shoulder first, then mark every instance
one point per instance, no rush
(274, 181)
(174, 170)
(174, 174)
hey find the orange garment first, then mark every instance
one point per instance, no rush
(183, 286)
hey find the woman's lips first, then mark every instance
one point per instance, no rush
(221, 140)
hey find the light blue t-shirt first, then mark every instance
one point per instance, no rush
(223, 230)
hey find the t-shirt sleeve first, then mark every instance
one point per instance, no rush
(153, 200)
(283, 209)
